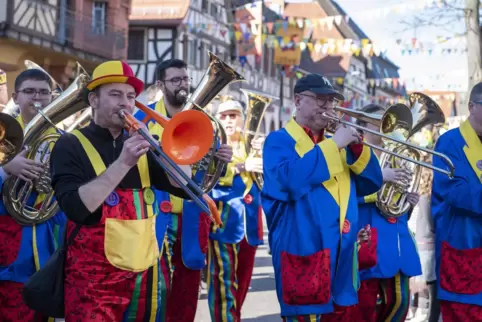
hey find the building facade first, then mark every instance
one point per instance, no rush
(55, 34)
(188, 30)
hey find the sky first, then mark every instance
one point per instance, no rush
(389, 23)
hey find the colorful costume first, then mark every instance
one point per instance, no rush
(393, 247)
(24, 250)
(310, 201)
(113, 270)
(186, 247)
(457, 213)
(233, 247)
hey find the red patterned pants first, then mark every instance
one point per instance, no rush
(12, 308)
(246, 256)
(183, 297)
(460, 312)
(341, 314)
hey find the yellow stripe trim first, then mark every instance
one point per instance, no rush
(222, 291)
(35, 248)
(398, 297)
(312, 318)
(362, 162)
(154, 302)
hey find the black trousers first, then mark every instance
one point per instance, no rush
(434, 302)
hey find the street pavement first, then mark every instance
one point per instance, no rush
(261, 304)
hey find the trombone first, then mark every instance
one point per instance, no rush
(186, 138)
(397, 122)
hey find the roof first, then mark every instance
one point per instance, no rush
(158, 12)
(329, 66)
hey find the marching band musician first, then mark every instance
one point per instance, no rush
(3, 90)
(232, 248)
(112, 193)
(311, 184)
(457, 213)
(188, 230)
(25, 249)
(391, 250)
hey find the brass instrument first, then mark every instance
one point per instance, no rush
(392, 198)
(11, 138)
(257, 103)
(395, 125)
(16, 192)
(215, 79)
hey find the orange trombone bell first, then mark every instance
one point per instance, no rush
(187, 137)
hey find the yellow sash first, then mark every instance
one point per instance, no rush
(99, 165)
(238, 157)
(339, 184)
(473, 147)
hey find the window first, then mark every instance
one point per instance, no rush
(192, 52)
(204, 6)
(137, 48)
(99, 17)
(214, 10)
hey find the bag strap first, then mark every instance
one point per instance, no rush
(72, 235)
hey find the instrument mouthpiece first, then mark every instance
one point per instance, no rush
(183, 93)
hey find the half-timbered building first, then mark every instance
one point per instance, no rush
(56, 33)
(187, 29)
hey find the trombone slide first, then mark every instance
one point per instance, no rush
(194, 192)
(449, 173)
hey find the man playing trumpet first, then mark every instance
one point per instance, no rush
(311, 185)
(112, 193)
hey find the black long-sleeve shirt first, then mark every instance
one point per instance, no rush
(71, 169)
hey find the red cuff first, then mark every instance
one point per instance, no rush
(356, 148)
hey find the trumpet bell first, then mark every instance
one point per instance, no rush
(11, 138)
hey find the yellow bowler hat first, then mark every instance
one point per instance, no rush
(115, 71)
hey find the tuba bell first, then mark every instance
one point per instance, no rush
(256, 106)
(16, 192)
(215, 79)
(392, 198)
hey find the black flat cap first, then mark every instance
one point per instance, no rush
(317, 84)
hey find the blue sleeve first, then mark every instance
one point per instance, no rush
(287, 176)
(456, 192)
(366, 171)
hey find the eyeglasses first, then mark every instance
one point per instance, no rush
(176, 81)
(323, 101)
(231, 116)
(33, 91)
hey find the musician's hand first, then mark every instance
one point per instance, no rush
(398, 175)
(134, 147)
(413, 198)
(257, 144)
(364, 234)
(345, 136)
(24, 168)
(225, 153)
(254, 165)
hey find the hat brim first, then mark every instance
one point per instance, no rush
(328, 91)
(110, 79)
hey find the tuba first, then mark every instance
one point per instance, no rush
(215, 79)
(257, 103)
(392, 198)
(16, 192)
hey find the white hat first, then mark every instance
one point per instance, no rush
(230, 105)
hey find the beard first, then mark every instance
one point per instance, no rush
(175, 99)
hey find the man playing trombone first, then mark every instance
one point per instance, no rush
(186, 247)
(457, 213)
(390, 257)
(112, 193)
(311, 184)
(25, 248)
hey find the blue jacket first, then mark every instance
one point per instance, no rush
(457, 214)
(310, 201)
(396, 247)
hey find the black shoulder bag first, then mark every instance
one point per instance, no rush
(44, 291)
